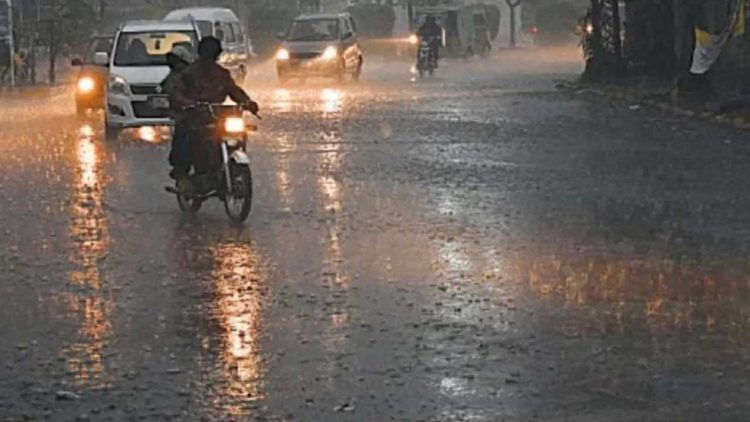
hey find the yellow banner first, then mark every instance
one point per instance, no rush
(704, 38)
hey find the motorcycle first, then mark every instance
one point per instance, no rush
(426, 62)
(232, 181)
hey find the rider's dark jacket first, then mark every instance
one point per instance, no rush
(430, 29)
(206, 82)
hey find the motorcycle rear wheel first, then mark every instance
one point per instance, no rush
(238, 203)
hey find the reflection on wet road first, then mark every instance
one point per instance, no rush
(473, 247)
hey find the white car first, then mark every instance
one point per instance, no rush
(137, 66)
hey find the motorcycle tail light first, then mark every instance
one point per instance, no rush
(234, 125)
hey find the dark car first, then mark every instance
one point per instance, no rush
(320, 45)
(91, 81)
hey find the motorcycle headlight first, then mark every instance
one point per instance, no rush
(282, 54)
(117, 84)
(234, 125)
(413, 39)
(330, 53)
(85, 85)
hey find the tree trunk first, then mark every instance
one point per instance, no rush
(52, 53)
(614, 4)
(512, 5)
(51, 73)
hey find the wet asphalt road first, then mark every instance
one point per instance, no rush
(476, 247)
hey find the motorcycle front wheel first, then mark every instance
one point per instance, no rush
(239, 201)
(189, 203)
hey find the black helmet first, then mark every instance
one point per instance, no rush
(209, 48)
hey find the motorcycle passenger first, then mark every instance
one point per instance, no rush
(179, 156)
(432, 30)
(205, 81)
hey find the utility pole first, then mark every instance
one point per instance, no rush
(11, 45)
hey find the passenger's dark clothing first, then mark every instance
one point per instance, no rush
(207, 82)
(430, 29)
(434, 31)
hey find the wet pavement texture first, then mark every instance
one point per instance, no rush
(472, 247)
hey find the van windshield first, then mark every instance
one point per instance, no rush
(150, 48)
(205, 27)
(314, 30)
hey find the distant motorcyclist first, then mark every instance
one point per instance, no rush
(432, 31)
(180, 154)
(205, 81)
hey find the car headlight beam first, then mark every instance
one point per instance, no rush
(282, 54)
(330, 53)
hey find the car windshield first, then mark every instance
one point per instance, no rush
(314, 30)
(150, 48)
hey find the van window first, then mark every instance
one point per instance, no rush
(205, 28)
(353, 25)
(224, 32)
(238, 35)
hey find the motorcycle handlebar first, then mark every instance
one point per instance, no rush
(210, 107)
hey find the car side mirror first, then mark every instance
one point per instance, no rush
(101, 58)
(76, 62)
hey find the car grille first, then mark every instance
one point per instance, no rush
(142, 109)
(144, 89)
(303, 56)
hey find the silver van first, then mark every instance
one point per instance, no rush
(223, 24)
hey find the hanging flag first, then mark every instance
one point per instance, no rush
(708, 46)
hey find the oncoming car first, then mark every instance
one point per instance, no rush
(91, 80)
(320, 45)
(137, 67)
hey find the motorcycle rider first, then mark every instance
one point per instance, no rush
(179, 156)
(205, 81)
(432, 30)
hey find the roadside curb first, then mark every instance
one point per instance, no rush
(636, 101)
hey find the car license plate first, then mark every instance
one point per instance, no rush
(159, 103)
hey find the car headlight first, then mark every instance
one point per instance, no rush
(330, 53)
(85, 84)
(282, 54)
(117, 84)
(234, 125)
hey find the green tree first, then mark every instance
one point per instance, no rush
(65, 25)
